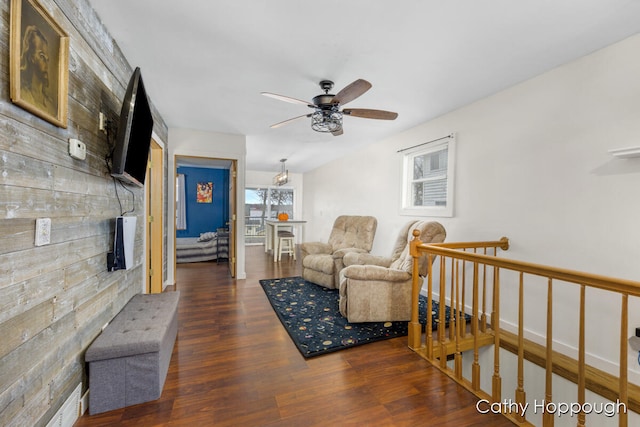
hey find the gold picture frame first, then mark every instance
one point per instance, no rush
(39, 62)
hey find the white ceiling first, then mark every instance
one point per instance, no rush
(205, 62)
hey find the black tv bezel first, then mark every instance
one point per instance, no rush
(134, 114)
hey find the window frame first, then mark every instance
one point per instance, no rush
(271, 189)
(407, 207)
(269, 214)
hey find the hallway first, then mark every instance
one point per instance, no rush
(235, 365)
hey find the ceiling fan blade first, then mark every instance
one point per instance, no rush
(284, 122)
(370, 114)
(337, 132)
(287, 99)
(352, 91)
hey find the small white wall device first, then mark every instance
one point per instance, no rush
(77, 149)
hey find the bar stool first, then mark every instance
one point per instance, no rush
(286, 244)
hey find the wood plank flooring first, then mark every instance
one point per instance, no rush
(234, 365)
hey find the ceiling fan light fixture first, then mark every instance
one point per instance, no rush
(326, 121)
(327, 114)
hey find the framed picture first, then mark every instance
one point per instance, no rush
(39, 62)
(204, 192)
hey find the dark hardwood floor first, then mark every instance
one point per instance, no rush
(233, 364)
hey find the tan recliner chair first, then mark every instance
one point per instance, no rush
(378, 289)
(322, 262)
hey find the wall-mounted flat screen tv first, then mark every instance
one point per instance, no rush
(131, 151)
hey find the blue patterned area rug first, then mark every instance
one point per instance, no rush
(311, 315)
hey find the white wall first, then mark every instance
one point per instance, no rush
(194, 143)
(532, 164)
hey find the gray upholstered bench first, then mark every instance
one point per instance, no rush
(128, 362)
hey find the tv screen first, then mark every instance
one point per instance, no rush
(131, 151)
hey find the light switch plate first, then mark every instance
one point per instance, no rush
(43, 231)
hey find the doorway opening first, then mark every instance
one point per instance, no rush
(205, 205)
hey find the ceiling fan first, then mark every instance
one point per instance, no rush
(327, 115)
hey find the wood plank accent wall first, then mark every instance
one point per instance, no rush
(54, 299)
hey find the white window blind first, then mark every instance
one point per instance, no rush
(181, 203)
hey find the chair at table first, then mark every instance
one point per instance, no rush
(286, 244)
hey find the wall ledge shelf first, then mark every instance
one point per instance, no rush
(625, 153)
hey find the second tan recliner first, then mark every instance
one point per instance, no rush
(378, 289)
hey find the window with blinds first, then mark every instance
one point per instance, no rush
(428, 179)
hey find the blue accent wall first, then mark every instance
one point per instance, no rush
(203, 217)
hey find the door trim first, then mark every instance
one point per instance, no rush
(154, 219)
(177, 158)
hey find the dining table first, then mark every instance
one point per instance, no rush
(272, 228)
